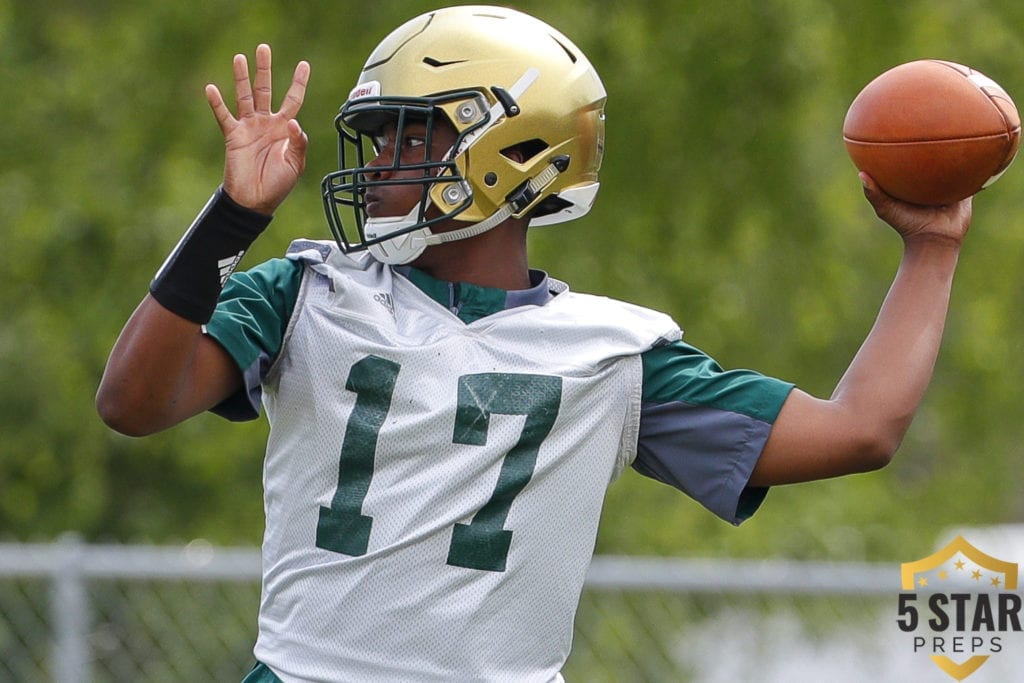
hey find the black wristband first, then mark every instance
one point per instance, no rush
(190, 280)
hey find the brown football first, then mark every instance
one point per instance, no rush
(932, 132)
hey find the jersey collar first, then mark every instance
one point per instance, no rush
(471, 302)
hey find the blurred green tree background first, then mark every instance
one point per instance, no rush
(727, 201)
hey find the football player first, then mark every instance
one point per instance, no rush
(444, 420)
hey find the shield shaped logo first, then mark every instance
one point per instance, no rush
(963, 600)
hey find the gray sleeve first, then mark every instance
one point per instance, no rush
(702, 428)
(246, 403)
(707, 453)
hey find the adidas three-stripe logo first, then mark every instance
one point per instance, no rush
(227, 266)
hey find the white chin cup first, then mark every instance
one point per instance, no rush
(401, 248)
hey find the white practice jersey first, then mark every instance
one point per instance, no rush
(433, 488)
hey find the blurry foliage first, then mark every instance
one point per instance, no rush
(727, 201)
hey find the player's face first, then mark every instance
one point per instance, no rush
(412, 146)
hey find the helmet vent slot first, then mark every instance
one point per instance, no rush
(437, 63)
(569, 53)
(524, 151)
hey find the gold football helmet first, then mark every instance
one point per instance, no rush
(528, 111)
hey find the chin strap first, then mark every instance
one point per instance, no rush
(406, 247)
(516, 204)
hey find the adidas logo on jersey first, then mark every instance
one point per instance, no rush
(227, 266)
(385, 300)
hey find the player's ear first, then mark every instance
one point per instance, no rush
(515, 153)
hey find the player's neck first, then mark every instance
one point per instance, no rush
(495, 259)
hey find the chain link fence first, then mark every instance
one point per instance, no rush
(72, 612)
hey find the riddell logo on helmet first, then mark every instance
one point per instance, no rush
(369, 89)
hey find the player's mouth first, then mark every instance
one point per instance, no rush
(373, 203)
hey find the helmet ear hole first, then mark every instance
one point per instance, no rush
(522, 152)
